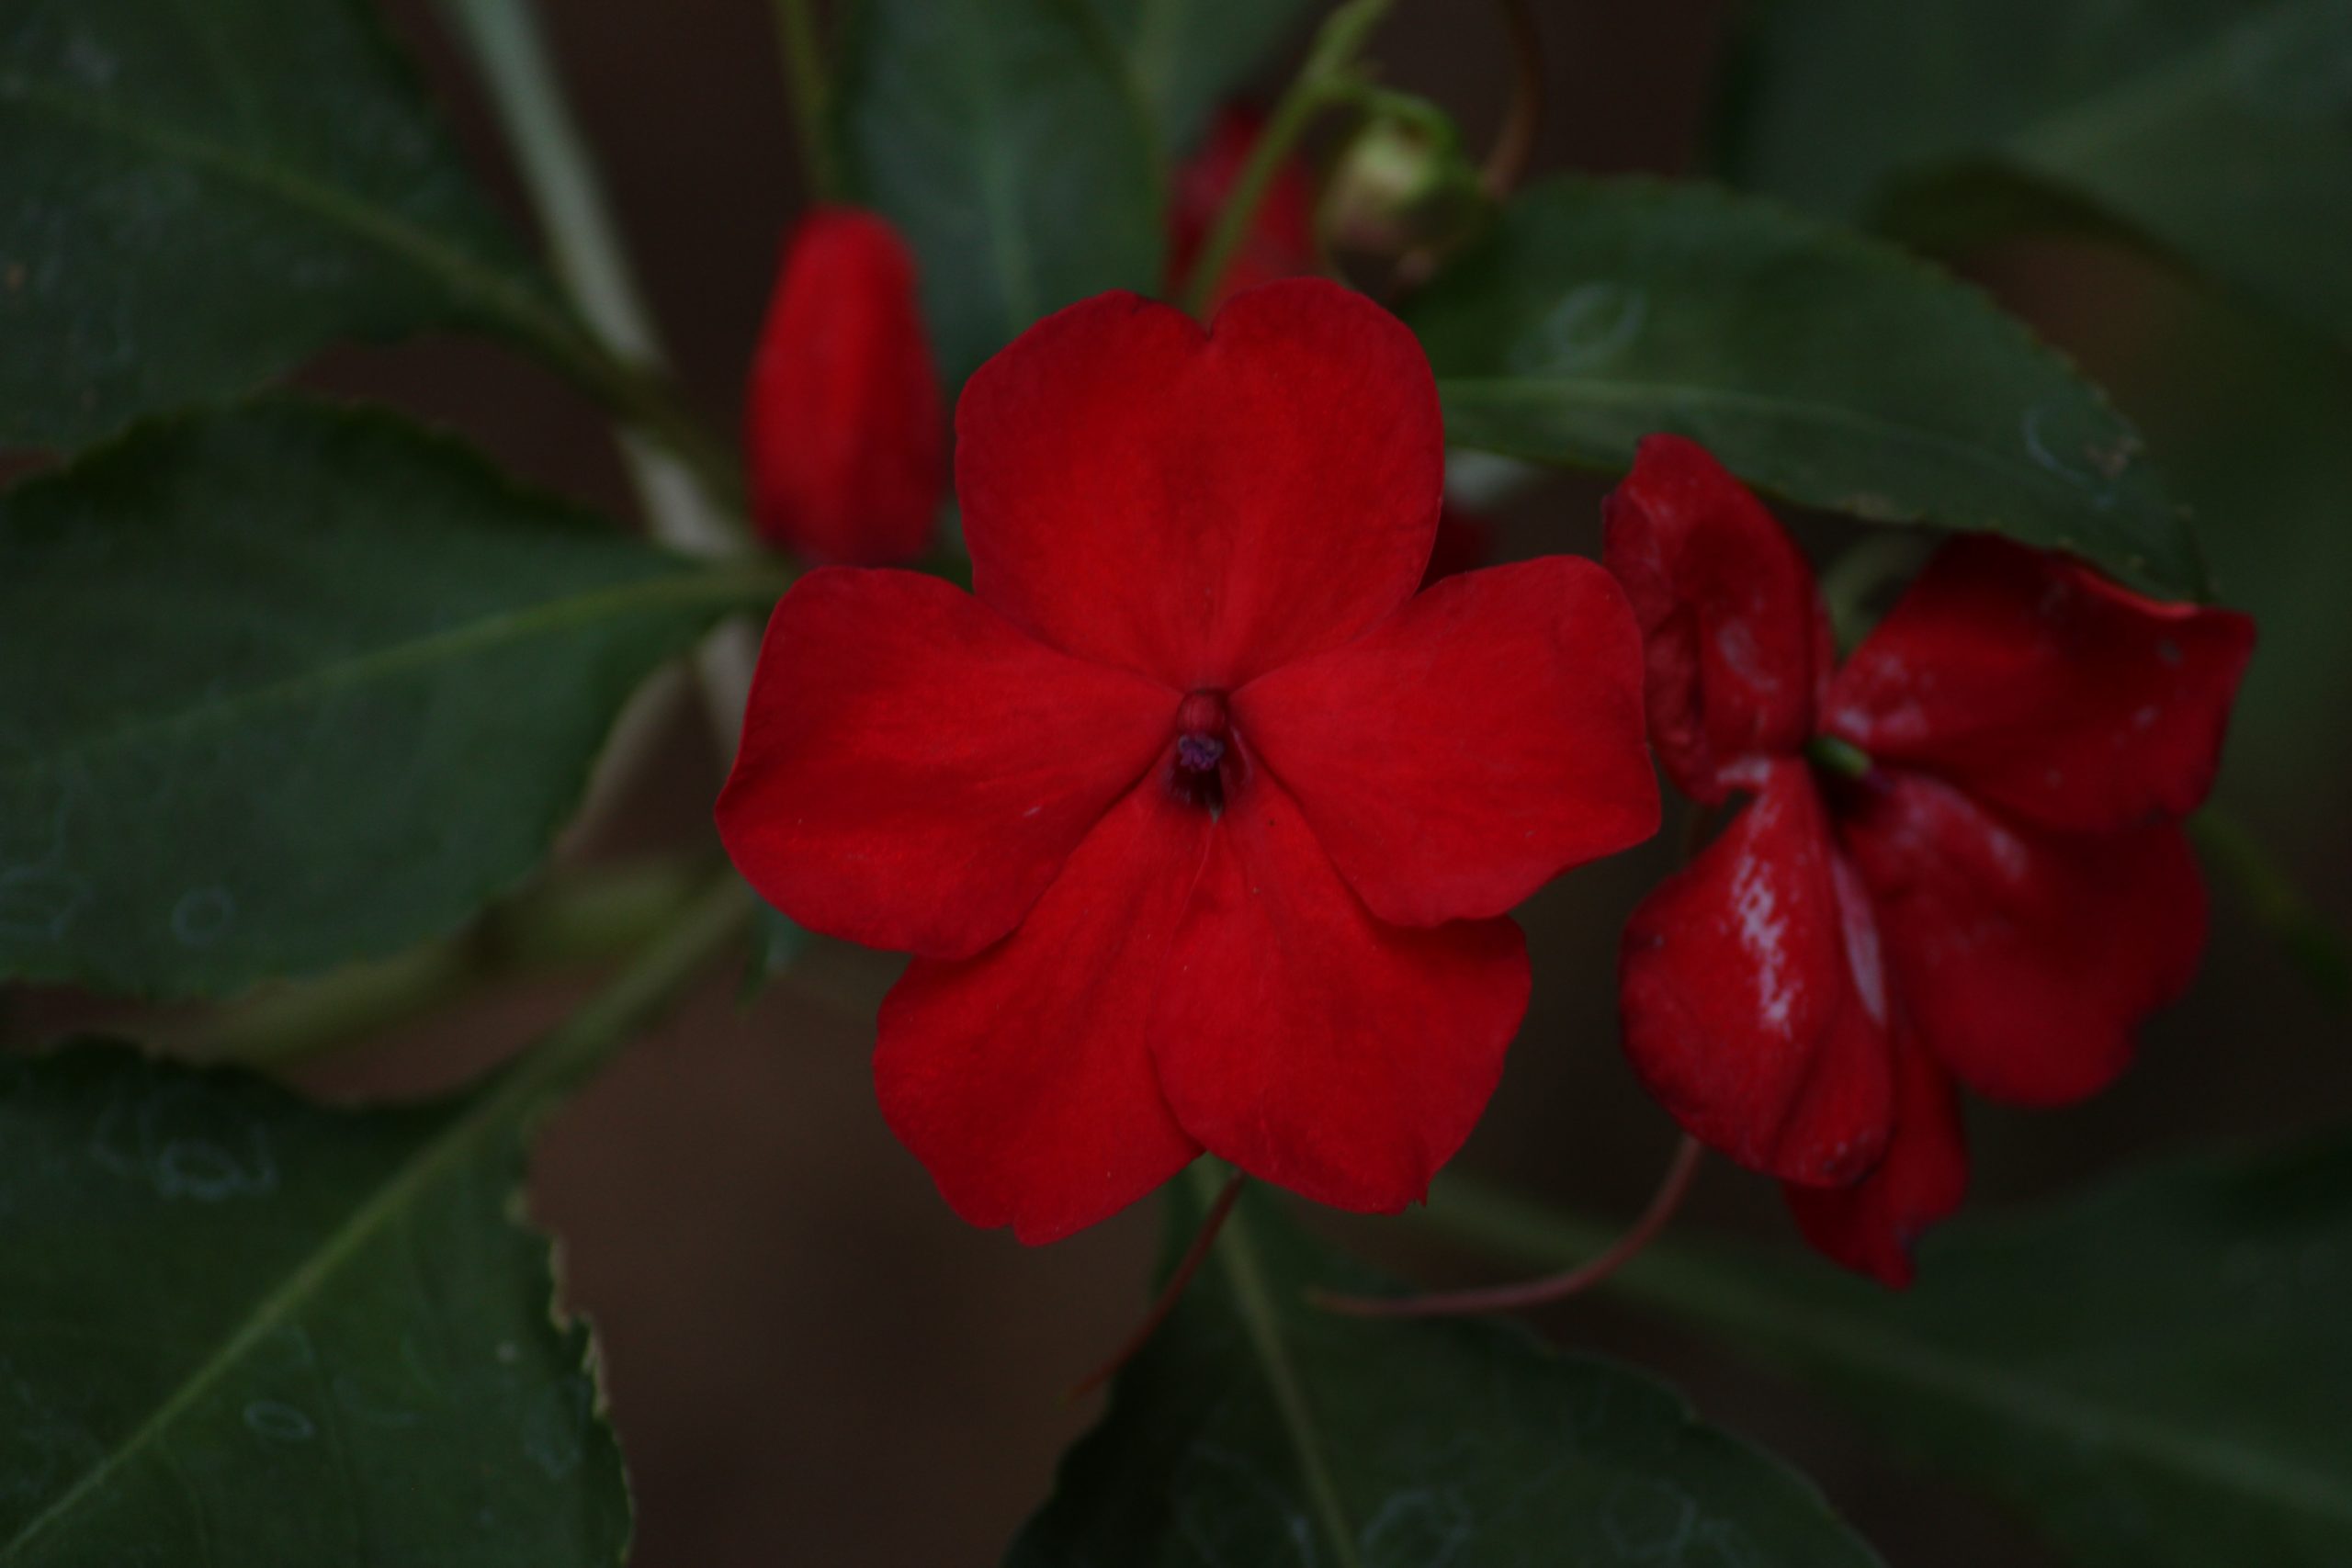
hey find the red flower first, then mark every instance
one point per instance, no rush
(1281, 239)
(845, 430)
(1960, 855)
(1201, 824)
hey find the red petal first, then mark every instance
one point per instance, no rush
(1870, 1226)
(845, 430)
(2031, 682)
(1281, 239)
(1314, 1046)
(1202, 507)
(1733, 626)
(914, 770)
(1474, 745)
(2024, 958)
(1752, 1000)
(1023, 1078)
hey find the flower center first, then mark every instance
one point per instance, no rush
(1196, 768)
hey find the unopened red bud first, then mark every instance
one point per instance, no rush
(845, 432)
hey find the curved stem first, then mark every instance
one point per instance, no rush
(1327, 77)
(1552, 1288)
(1514, 147)
(576, 918)
(570, 1055)
(804, 67)
(694, 499)
(1179, 1278)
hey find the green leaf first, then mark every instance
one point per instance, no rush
(1827, 368)
(286, 687)
(1189, 56)
(1256, 1428)
(2156, 1373)
(243, 1330)
(194, 197)
(2218, 129)
(1006, 141)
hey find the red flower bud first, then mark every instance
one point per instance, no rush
(1281, 241)
(845, 432)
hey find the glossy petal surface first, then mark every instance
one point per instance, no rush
(1872, 1226)
(1752, 1000)
(1023, 1078)
(2025, 958)
(1314, 1046)
(1733, 629)
(1202, 506)
(1480, 742)
(915, 769)
(845, 430)
(2037, 684)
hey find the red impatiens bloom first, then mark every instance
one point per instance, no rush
(845, 430)
(1201, 824)
(1960, 854)
(1280, 242)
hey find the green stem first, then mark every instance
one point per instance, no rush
(570, 1055)
(580, 918)
(1329, 75)
(510, 49)
(804, 66)
(2314, 944)
(693, 501)
(1253, 1303)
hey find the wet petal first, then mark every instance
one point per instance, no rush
(1872, 1226)
(2031, 682)
(1732, 625)
(2024, 958)
(1752, 1000)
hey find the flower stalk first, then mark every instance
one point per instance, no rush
(1663, 1206)
(690, 485)
(1330, 75)
(805, 72)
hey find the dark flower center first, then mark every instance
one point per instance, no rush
(1196, 769)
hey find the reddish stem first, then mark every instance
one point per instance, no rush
(1507, 161)
(1552, 1288)
(1170, 1293)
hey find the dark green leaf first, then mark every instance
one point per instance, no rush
(238, 1329)
(1258, 1429)
(287, 687)
(2220, 130)
(194, 197)
(1007, 142)
(1189, 56)
(1827, 368)
(2156, 1373)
